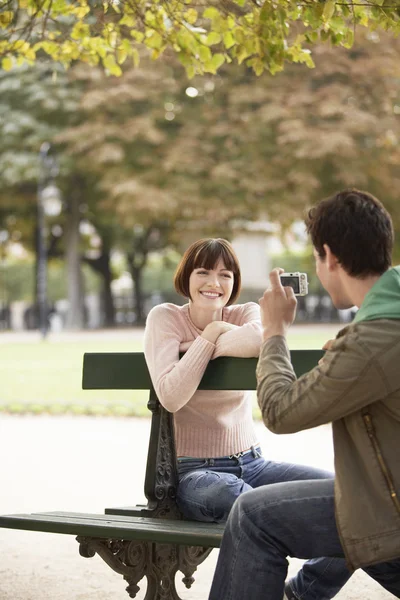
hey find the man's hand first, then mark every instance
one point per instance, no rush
(278, 307)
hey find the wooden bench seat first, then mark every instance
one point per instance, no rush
(171, 531)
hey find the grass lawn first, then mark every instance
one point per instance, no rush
(45, 377)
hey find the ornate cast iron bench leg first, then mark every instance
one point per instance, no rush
(159, 563)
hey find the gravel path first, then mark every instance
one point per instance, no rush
(83, 464)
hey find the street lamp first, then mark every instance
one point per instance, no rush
(48, 204)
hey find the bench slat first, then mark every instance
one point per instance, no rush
(190, 533)
(128, 371)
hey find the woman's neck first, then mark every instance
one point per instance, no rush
(201, 318)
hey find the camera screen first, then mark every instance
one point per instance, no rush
(293, 282)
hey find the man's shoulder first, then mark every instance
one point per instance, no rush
(370, 337)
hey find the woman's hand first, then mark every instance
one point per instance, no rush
(214, 329)
(326, 346)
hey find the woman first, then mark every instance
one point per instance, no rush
(219, 457)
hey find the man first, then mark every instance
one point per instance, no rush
(357, 388)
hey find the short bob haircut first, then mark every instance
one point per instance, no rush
(205, 253)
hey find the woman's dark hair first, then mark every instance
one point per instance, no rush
(358, 230)
(205, 253)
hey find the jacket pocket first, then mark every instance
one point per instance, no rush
(384, 467)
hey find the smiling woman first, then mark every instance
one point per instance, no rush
(219, 457)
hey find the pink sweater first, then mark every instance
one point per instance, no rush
(207, 423)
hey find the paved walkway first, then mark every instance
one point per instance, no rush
(84, 464)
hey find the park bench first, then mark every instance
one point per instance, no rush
(153, 540)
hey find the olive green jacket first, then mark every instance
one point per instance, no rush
(357, 388)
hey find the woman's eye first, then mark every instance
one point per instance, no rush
(227, 275)
(201, 272)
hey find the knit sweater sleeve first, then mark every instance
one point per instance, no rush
(245, 340)
(175, 381)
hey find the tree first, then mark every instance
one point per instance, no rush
(204, 34)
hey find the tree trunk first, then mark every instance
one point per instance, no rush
(107, 300)
(137, 277)
(76, 309)
(101, 266)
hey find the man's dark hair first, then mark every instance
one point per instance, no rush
(358, 230)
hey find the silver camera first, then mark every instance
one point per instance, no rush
(298, 281)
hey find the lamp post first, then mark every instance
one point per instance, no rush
(4, 317)
(48, 204)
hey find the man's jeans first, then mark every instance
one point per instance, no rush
(208, 489)
(271, 523)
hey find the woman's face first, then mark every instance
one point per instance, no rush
(211, 288)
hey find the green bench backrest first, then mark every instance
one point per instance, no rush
(128, 371)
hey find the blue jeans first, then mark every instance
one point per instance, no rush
(271, 523)
(208, 489)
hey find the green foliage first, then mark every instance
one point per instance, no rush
(17, 279)
(159, 272)
(265, 35)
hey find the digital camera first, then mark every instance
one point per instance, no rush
(298, 281)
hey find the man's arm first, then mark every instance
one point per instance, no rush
(347, 379)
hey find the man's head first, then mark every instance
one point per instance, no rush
(358, 230)
(351, 230)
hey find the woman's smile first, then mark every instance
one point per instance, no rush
(211, 295)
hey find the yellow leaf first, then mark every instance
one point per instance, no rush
(329, 10)
(213, 38)
(111, 65)
(211, 13)
(190, 16)
(228, 40)
(137, 35)
(121, 55)
(7, 63)
(213, 65)
(154, 40)
(218, 60)
(81, 11)
(80, 31)
(6, 18)
(30, 54)
(127, 20)
(204, 53)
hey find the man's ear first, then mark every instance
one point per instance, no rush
(331, 260)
